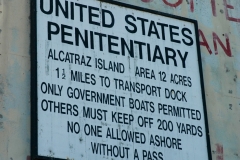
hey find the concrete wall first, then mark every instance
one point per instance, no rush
(14, 79)
(219, 30)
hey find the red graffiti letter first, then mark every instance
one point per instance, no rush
(191, 5)
(219, 151)
(204, 41)
(227, 49)
(213, 3)
(173, 4)
(226, 12)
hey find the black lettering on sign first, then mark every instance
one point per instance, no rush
(110, 150)
(129, 47)
(109, 65)
(64, 9)
(129, 19)
(143, 20)
(53, 28)
(50, 11)
(158, 30)
(145, 73)
(166, 142)
(126, 136)
(137, 87)
(65, 34)
(141, 105)
(179, 111)
(52, 89)
(145, 121)
(93, 130)
(94, 113)
(163, 26)
(162, 76)
(96, 16)
(140, 48)
(112, 42)
(104, 22)
(68, 57)
(81, 8)
(189, 129)
(172, 33)
(117, 45)
(122, 118)
(136, 154)
(83, 77)
(62, 73)
(73, 127)
(59, 107)
(97, 97)
(183, 58)
(83, 38)
(100, 36)
(152, 155)
(105, 81)
(181, 80)
(153, 30)
(189, 42)
(170, 54)
(165, 125)
(175, 95)
(157, 54)
(93, 15)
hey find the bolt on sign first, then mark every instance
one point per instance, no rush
(115, 81)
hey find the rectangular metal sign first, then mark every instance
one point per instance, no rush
(114, 81)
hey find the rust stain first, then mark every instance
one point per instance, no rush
(219, 151)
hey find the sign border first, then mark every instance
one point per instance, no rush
(34, 98)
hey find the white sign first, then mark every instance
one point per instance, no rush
(117, 83)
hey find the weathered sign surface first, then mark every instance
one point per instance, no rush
(114, 81)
